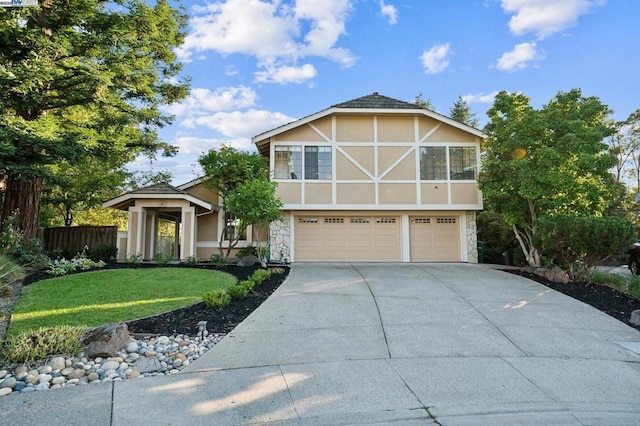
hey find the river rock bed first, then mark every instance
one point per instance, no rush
(145, 357)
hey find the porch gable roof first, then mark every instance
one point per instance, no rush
(160, 190)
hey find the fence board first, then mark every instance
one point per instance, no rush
(74, 239)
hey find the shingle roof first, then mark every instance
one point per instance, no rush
(158, 188)
(376, 101)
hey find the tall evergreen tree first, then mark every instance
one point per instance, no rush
(462, 113)
(82, 79)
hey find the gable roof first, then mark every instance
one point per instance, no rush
(159, 190)
(376, 101)
(374, 104)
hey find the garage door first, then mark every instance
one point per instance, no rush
(347, 239)
(434, 238)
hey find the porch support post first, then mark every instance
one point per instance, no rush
(134, 230)
(188, 237)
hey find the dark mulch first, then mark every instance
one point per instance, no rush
(219, 321)
(607, 299)
(185, 320)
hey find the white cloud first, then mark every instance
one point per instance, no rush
(519, 58)
(545, 17)
(195, 145)
(480, 98)
(239, 124)
(436, 59)
(390, 12)
(204, 101)
(274, 32)
(286, 74)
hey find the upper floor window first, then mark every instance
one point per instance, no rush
(461, 163)
(317, 162)
(433, 163)
(288, 162)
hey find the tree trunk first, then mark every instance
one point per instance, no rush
(68, 217)
(22, 200)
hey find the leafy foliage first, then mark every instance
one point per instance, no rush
(254, 202)
(81, 83)
(216, 299)
(497, 236)
(237, 291)
(578, 243)
(545, 161)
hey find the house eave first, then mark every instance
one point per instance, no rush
(122, 202)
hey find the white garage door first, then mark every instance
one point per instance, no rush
(347, 239)
(434, 238)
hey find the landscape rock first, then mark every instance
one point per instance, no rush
(8, 382)
(635, 317)
(248, 260)
(105, 341)
(5, 391)
(555, 274)
(57, 363)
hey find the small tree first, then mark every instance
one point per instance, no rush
(226, 169)
(579, 243)
(254, 203)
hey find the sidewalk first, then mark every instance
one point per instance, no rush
(385, 344)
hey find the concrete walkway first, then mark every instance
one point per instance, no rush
(405, 344)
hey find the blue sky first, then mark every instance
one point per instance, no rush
(258, 64)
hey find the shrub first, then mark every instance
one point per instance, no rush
(260, 275)
(247, 251)
(134, 259)
(578, 243)
(162, 258)
(248, 284)
(606, 278)
(105, 252)
(498, 238)
(237, 291)
(62, 266)
(36, 345)
(191, 260)
(218, 259)
(216, 299)
(277, 271)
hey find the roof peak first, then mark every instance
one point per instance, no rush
(376, 100)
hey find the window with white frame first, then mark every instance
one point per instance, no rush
(233, 228)
(462, 162)
(317, 162)
(288, 162)
(454, 162)
(433, 163)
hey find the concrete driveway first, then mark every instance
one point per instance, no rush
(406, 344)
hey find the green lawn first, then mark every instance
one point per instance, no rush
(96, 298)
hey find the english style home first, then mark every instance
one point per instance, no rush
(373, 179)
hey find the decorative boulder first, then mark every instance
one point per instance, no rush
(635, 317)
(105, 341)
(248, 260)
(554, 274)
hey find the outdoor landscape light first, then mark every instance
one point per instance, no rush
(202, 327)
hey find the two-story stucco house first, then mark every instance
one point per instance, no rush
(373, 179)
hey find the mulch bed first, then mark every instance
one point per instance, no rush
(606, 299)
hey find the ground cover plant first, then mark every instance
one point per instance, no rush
(118, 295)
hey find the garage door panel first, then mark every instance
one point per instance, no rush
(434, 239)
(352, 239)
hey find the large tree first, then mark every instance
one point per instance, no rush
(546, 161)
(81, 81)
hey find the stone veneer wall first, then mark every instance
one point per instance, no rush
(280, 235)
(472, 237)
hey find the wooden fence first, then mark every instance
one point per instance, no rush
(71, 240)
